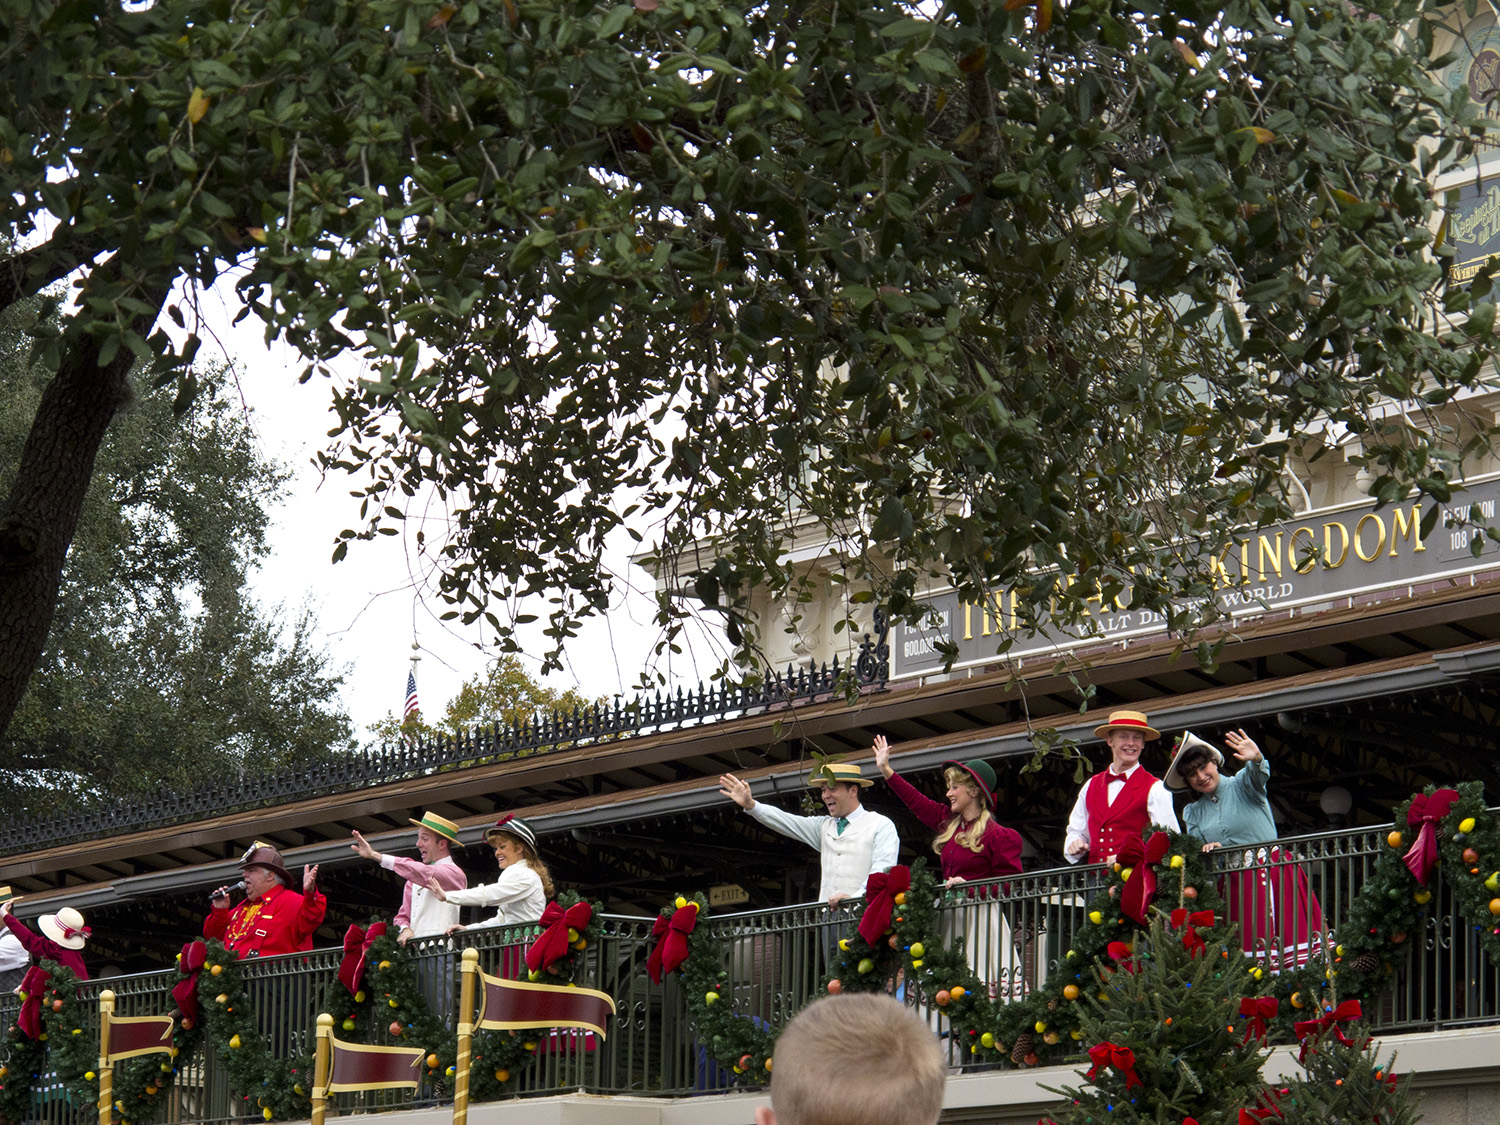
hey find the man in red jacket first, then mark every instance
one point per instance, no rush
(273, 918)
(1120, 801)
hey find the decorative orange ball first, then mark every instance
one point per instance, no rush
(1398, 937)
(396, 1029)
(942, 998)
(958, 992)
(835, 986)
(1495, 906)
(900, 899)
(57, 1005)
(1071, 992)
(432, 1061)
(1471, 856)
(1190, 893)
(1394, 839)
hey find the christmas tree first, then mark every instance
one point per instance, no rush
(1346, 1084)
(1165, 1035)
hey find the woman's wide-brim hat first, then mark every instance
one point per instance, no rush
(982, 773)
(264, 855)
(509, 825)
(65, 927)
(1190, 741)
(830, 773)
(1127, 720)
(440, 825)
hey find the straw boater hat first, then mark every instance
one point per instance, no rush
(831, 772)
(1190, 741)
(65, 927)
(509, 825)
(1126, 720)
(264, 855)
(438, 825)
(982, 773)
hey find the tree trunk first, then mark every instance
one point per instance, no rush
(38, 518)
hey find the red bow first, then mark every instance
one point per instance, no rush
(1348, 1010)
(671, 950)
(881, 890)
(357, 944)
(30, 1018)
(1256, 1114)
(1190, 939)
(1123, 952)
(1259, 1010)
(1121, 1058)
(1140, 889)
(552, 943)
(185, 992)
(1427, 811)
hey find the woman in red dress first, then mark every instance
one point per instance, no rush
(971, 844)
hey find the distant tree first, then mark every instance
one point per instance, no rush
(159, 667)
(504, 693)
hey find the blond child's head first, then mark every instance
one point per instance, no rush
(853, 1059)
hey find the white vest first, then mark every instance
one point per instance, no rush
(846, 858)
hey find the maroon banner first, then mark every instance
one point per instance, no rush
(513, 1004)
(357, 1066)
(130, 1036)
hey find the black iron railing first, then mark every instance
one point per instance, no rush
(542, 734)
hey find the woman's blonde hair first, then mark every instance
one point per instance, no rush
(973, 836)
(531, 859)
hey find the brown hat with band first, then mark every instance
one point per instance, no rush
(264, 855)
(1127, 720)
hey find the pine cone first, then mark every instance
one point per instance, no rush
(1365, 963)
(1025, 1045)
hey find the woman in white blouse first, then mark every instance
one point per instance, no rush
(521, 893)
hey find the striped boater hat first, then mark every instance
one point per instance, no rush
(511, 825)
(830, 772)
(438, 824)
(1127, 720)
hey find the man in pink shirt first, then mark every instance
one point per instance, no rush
(422, 913)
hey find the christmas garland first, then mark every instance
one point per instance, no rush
(1042, 1027)
(1045, 1026)
(387, 1006)
(1392, 904)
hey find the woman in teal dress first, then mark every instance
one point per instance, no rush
(1280, 919)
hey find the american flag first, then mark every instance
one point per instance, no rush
(412, 706)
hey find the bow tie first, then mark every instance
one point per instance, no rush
(1116, 777)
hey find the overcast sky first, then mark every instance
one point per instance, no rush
(369, 605)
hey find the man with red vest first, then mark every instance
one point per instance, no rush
(273, 918)
(1119, 802)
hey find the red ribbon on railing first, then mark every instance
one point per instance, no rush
(185, 992)
(552, 943)
(671, 948)
(1121, 1058)
(357, 944)
(1259, 1009)
(1191, 941)
(1123, 953)
(1140, 888)
(1303, 1029)
(881, 890)
(1427, 811)
(29, 1020)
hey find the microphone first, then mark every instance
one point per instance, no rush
(225, 892)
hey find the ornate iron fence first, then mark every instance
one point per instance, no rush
(541, 734)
